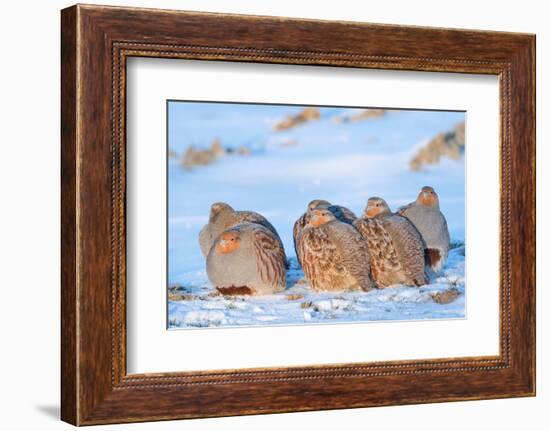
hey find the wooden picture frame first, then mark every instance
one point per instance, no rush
(95, 43)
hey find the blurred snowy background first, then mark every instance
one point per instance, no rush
(274, 159)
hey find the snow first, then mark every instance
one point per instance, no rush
(203, 318)
(298, 304)
(343, 163)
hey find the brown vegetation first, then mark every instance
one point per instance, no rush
(172, 296)
(450, 144)
(445, 297)
(308, 114)
(365, 114)
(294, 296)
(288, 143)
(194, 157)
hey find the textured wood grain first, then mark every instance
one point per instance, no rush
(69, 364)
(96, 41)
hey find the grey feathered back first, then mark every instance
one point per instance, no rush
(223, 219)
(432, 225)
(258, 263)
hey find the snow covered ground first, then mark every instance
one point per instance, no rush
(343, 163)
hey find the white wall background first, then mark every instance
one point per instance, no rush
(29, 215)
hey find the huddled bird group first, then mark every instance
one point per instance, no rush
(337, 250)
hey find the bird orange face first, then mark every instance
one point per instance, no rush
(428, 197)
(376, 206)
(228, 242)
(320, 217)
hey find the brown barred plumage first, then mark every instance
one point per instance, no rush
(396, 247)
(333, 255)
(341, 213)
(270, 254)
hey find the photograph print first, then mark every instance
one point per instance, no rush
(293, 215)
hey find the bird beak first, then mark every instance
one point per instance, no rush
(223, 247)
(227, 245)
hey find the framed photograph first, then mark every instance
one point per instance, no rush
(318, 215)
